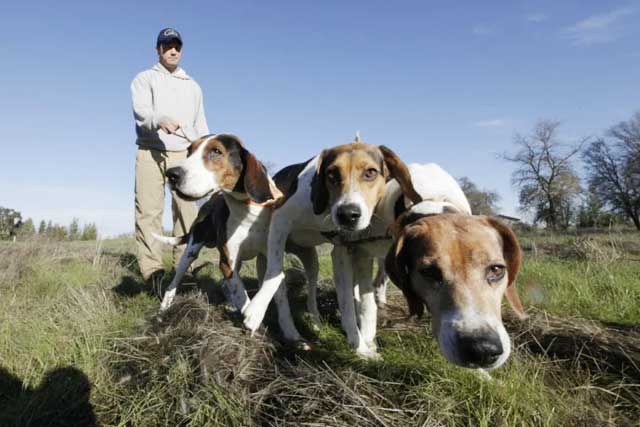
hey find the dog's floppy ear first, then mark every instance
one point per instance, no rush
(395, 264)
(256, 179)
(319, 192)
(513, 256)
(400, 172)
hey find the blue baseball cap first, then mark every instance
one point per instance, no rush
(167, 35)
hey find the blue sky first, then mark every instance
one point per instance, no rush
(445, 82)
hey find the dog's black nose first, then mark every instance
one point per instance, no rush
(174, 175)
(349, 214)
(480, 349)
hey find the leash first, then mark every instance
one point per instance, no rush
(180, 217)
(183, 136)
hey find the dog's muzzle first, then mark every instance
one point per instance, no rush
(175, 176)
(348, 215)
(479, 349)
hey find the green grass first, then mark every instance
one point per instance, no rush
(605, 292)
(81, 344)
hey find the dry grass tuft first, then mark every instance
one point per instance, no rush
(309, 395)
(604, 347)
(590, 249)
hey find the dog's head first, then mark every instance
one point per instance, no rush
(460, 267)
(220, 162)
(350, 180)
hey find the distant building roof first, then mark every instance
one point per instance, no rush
(509, 218)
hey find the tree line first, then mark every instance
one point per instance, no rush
(551, 190)
(12, 227)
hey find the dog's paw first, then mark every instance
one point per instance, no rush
(372, 346)
(238, 298)
(167, 301)
(367, 353)
(253, 315)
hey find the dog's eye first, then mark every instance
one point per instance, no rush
(370, 174)
(431, 272)
(213, 154)
(333, 177)
(495, 272)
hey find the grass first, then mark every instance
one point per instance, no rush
(81, 345)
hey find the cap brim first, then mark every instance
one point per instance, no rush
(167, 41)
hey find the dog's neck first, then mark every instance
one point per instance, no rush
(240, 200)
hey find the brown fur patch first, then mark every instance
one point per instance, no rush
(217, 158)
(461, 247)
(350, 163)
(348, 168)
(195, 144)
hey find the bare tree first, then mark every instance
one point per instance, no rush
(548, 184)
(614, 169)
(483, 202)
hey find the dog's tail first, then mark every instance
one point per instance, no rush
(173, 241)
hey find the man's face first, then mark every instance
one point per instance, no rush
(170, 54)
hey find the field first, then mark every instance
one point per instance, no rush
(81, 345)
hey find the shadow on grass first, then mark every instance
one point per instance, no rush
(602, 347)
(131, 286)
(61, 399)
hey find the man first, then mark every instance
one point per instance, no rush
(169, 112)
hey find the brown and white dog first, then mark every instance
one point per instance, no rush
(337, 191)
(219, 163)
(459, 267)
(235, 221)
(353, 254)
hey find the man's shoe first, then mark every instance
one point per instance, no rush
(189, 279)
(155, 282)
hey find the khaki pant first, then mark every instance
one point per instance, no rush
(151, 166)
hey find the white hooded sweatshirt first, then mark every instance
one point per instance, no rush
(157, 93)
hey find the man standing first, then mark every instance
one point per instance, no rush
(169, 112)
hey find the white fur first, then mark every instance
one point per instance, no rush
(198, 181)
(431, 207)
(469, 321)
(353, 198)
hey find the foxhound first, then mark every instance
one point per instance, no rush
(336, 191)
(353, 254)
(459, 267)
(235, 220)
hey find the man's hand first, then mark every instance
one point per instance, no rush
(168, 125)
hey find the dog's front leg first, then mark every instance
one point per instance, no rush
(309, 259)
(232, 285)
(189, 255)
(274, 276)
(380, 284)
(285, 319)
(343, 278)
(368, 314)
